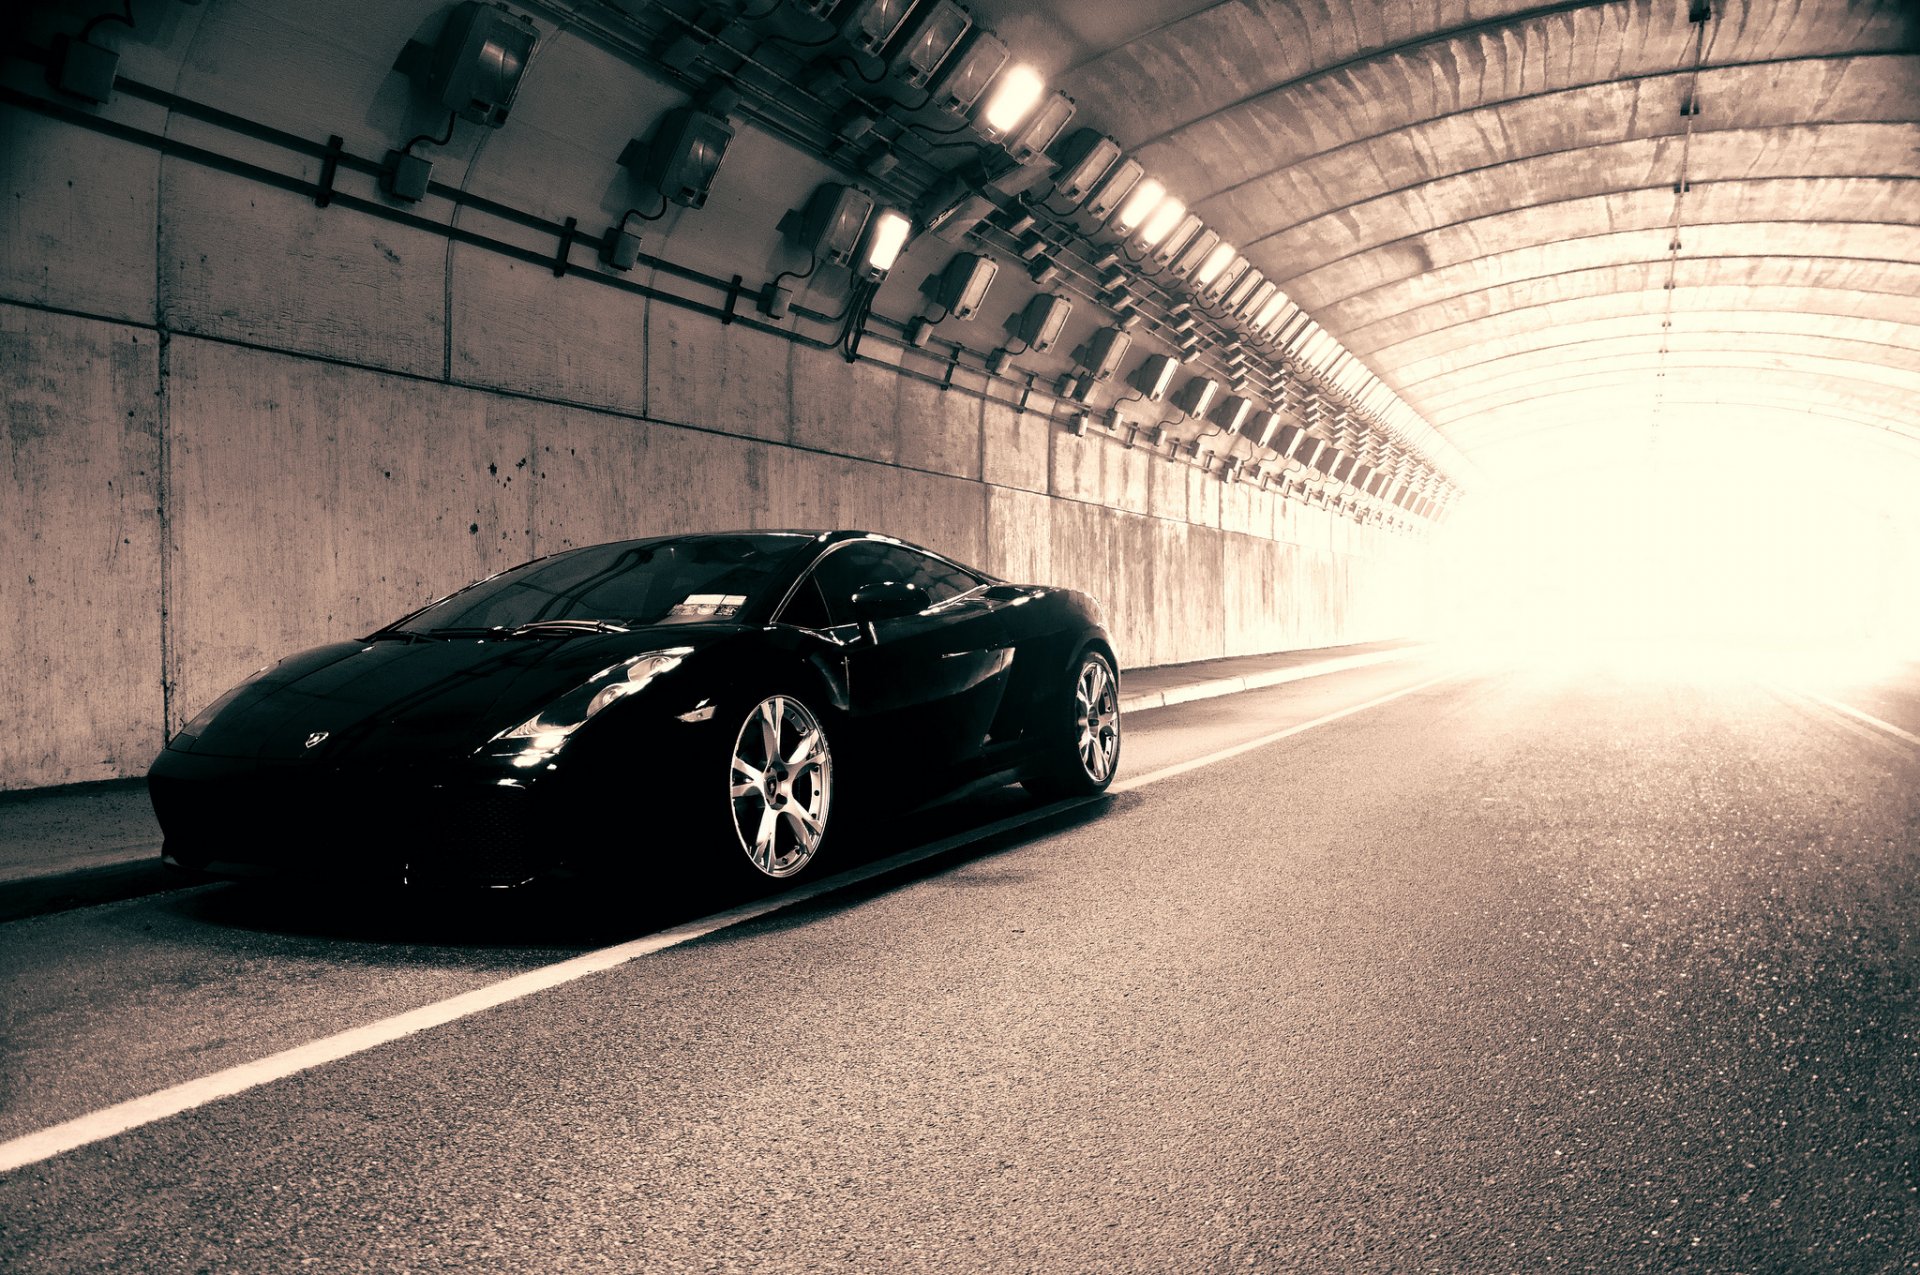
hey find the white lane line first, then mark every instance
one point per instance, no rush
(1181, 768)
(1850, 711)
(132, 1114)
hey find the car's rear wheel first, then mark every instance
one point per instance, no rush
(1082, 759)
(780, 786)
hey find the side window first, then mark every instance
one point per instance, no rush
(941, 580)
(844, 571)
(806, 608)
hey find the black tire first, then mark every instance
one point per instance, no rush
(1083, 756)
(780, 789)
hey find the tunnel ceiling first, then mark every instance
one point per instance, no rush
(1509, 211)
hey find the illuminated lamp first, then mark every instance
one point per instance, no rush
(1042, 320)
(1217, 259)
(1112, 189)
(1167, 214)
(1011, 99)
(1134, 209)
(474, 68)
(869, 24)
(966, 76)
(1084, 158)
(1048, 122)
(1223, 279)
(834, 220)
(685, 155)
(1153, 377)
(1196, 254)
(941, 27)
(1197, 395)
(1269, 311)
(887, 232)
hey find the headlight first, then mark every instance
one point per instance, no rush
(549, 728)
(204, 718)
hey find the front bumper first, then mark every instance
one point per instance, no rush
(452, 826)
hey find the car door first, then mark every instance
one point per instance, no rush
(923, 689)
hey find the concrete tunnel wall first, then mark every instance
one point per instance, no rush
(240, 423)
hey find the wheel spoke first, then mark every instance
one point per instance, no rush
(764, 839)
(770, 714)
(803, 752)
(801, 822)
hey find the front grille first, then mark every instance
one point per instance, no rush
(486, 838)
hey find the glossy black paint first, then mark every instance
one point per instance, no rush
(380, 757)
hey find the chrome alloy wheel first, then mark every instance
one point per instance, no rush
(780, 786)
(1096, 706)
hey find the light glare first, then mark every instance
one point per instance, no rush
(1014, 94)
(1163, 220)
(1216, 262)
(889, 236)
(1138, 203)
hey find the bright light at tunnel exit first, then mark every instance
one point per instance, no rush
(1682, 553)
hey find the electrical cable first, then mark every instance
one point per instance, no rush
(813, 263)
(429, 137)
(125, 16)
(853, 66)
(767, 12)
(631, 213)
(859, 308)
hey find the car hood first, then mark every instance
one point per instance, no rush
(417, 699)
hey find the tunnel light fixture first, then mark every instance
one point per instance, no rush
(1134, 209)
(967, 75)
(1084, 159)
(942, 25)
(1269, 310)
(1219, 254)
(1170, 245)
(1039, 132)
(1196, 254)
(1112, 189)
(870, 24)
(1242, 290)
(1223, 279)
(1011, 99)
(1269, 425)
(1257, 301)
(834, 220)
(1231, 413)
(964, 283)
(1168, 213)
(1105, 348)
(887, 232)
(684, 156)
(1042, 321)
(1197, 395)
(473, 69)
(1153, 377)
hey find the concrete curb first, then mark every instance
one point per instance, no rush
(84, 887)
(1255, 681)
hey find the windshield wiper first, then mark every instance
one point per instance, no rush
(497, 630)
(564, 628)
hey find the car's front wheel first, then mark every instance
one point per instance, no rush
(1081, 759)
(780, 785)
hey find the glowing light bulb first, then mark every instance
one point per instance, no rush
(1014, 94)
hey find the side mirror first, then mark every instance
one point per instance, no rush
(888, 600)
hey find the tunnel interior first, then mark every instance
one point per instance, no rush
(1307, 323)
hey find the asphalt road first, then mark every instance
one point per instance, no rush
(1580, 968)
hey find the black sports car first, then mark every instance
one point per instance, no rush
(582, 712)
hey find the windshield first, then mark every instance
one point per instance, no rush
(635, 583)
